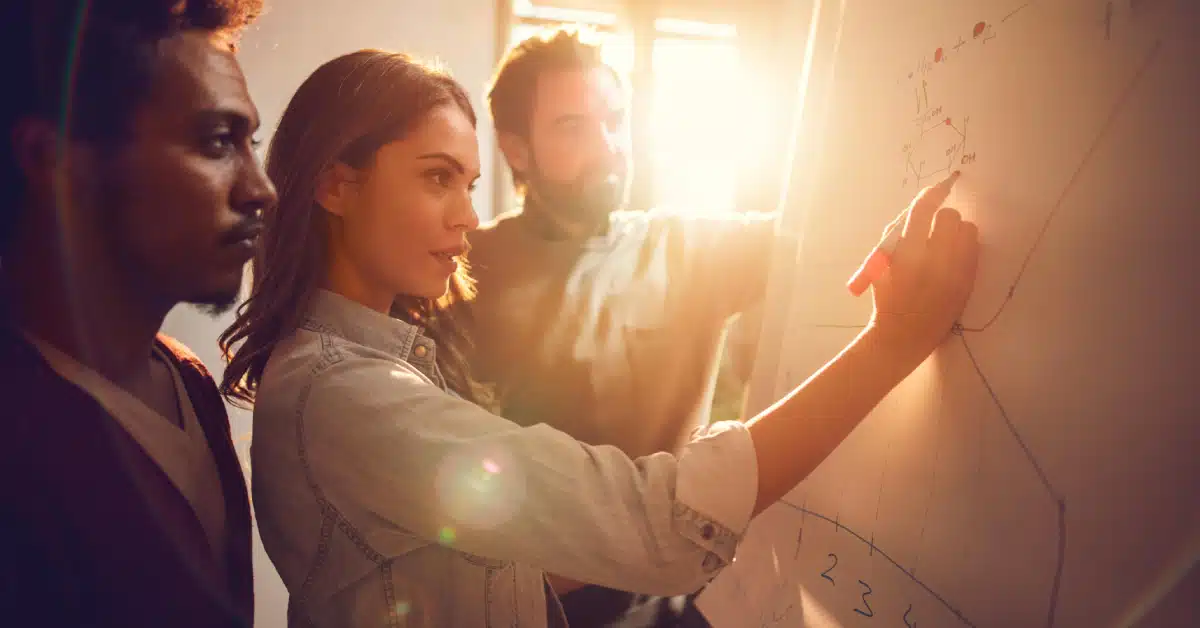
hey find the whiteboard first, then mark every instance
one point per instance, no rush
(1042, 468)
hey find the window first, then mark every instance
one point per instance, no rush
(710, 116)
(704, 118)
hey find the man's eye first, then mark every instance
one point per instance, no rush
(219, 144)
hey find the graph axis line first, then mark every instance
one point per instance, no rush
(1047, 485)
(876, 549)
(1016, 11)
(1069, 187)
(960, 330)
(1059, 500)
(937, 452)
(1059, 202)
(1012, 428)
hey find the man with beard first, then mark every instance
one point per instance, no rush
(604, 324)
(129, 185)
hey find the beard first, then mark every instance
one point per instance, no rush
(216, 305)
(105, 192)
(588, 200)
(218, 302)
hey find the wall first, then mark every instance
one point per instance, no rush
(1040, 469)
(287, 43)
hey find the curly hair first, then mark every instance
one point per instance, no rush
(86, 65)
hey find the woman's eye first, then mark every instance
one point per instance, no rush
(440, 177)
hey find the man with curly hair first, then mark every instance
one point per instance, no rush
(129, 185)
(602, 323)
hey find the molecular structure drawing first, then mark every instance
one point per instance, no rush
(980, 34)
(857, 568)
(938, 142)
(940, 146)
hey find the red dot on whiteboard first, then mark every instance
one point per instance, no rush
(979, 28)
(937, 55)
(948, 122)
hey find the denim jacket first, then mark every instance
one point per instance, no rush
(384, 500)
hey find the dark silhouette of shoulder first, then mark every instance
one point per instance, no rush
(95, 533)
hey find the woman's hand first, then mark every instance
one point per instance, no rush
(931, 274)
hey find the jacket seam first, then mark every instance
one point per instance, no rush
(327, 523)
(332, 355)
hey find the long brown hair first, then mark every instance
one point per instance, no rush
(343, 113)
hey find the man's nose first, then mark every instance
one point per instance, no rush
(254, 192)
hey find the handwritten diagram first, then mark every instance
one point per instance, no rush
(938, 149)
(1069, 187)
(939, 141)
(959, 475)
(831, 574)
(861, 570)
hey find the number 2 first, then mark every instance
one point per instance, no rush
(868, 612)
(825, 574)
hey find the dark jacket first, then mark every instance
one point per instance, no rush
(80, 542)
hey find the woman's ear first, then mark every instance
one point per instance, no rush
(336, 188)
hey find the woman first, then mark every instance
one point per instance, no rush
(384, 495)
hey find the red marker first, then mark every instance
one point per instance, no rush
(881, 258)
(877, 262)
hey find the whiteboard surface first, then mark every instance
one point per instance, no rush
(1043, 467)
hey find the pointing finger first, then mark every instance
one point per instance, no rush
(920, 217)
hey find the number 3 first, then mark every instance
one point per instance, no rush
(868, 612)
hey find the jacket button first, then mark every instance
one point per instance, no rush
(420, 351)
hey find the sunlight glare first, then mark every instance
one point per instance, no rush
(709, 114)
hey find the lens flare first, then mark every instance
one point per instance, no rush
(479, 488)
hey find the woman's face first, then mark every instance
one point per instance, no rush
(404, 219)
